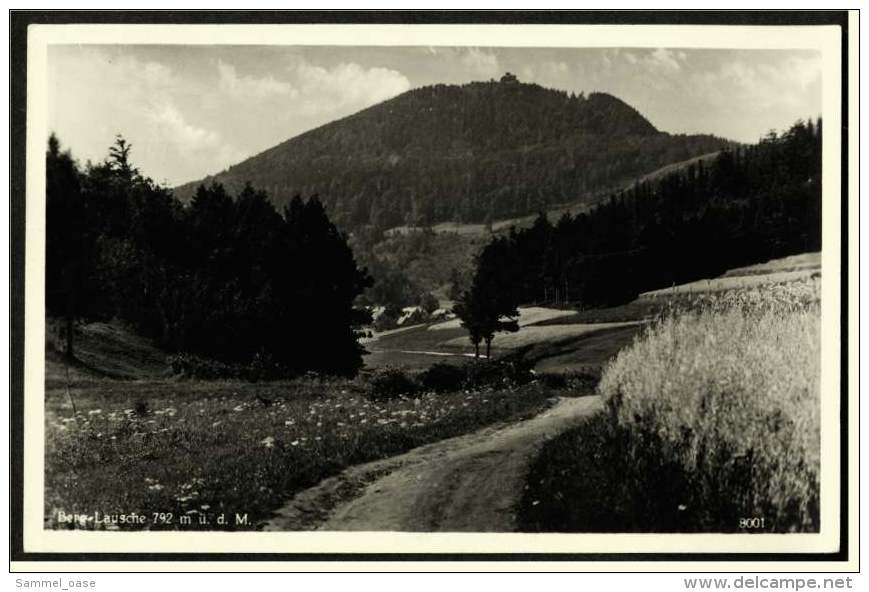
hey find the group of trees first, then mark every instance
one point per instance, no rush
(226, 277)
(746, 205)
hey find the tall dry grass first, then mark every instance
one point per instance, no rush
(723, 395)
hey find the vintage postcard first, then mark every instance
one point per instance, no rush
(371, 291)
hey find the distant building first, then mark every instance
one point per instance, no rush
(509, 78)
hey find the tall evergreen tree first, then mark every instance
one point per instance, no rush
(72, 292)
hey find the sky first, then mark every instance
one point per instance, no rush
(190, 111)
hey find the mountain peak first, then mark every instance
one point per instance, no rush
(481, 150)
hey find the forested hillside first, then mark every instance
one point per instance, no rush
(750, 204)
(473, 153)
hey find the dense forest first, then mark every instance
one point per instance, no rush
(473, 153)
(225, 277)
(749, 204)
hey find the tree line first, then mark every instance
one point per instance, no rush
(225, 277)
(747, 205)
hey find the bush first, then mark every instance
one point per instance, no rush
(187, 365)
(582, 380)
(261, 367)
(388, 319)
(428, 303)
(141, 408)
(443, 378)
(497, 373)
(390, 383)
(476, 374)
(553, 381)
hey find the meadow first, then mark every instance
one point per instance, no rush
(712, 425)
(182, 453)
(551, 339)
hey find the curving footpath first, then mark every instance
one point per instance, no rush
(470, 483)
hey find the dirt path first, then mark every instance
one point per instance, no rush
(469, 483)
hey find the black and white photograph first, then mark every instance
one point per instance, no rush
(355, 284)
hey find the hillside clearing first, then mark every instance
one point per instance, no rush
(724, 283)
(800, 262)
(549, 333)
(103, 350)
(528, 315)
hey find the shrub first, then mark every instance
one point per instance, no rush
(390, 383)
(141, 408)
(497, 373)
(187, 365)
(428, 303)
(388, 319)
(583, 380)
(261, 367)
(577, 382)
(443, 378)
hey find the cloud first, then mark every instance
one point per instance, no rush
(555, 74)
(783, 83)
(480, 63)
(197, 146)
(247, 87)
(346, 86)
(554, 69)
(187, 119)
(96, 93)
(170, 125)
(660, 61)
(666, 59)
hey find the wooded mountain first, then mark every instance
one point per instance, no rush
(472, 153)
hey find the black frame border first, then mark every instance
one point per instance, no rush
(18, 24)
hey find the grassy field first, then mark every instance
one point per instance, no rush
(552, 345)
(776, 271)
(805, 261)
(532, 335)
(713, 419)
(103, 350)
(184, 453)
(528, 315)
